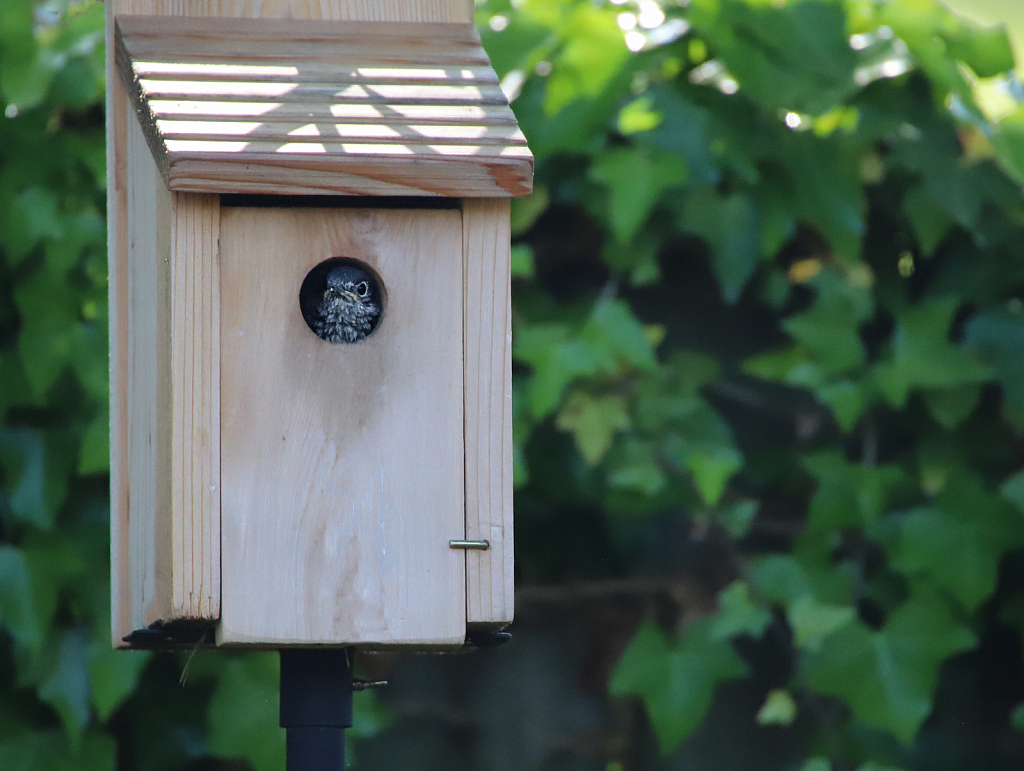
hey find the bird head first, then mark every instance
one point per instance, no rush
(349, 283)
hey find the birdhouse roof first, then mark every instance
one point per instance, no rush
(358, 108)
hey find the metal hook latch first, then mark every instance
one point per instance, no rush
(457, 544)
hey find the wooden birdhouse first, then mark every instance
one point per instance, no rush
(275, 482)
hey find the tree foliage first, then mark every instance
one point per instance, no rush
(768, 343)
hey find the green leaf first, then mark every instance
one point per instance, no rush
(952, 406)
(998, 338)
(731, 225)
(593, 422)
(636, 178)
(94, 456)
(712, 468)
(612, 341)
(522, 261)
(738, 614)
(922, 355)
(848, 494)
(830, 327)
(113, 675)
(636, 468)
(619, 339)
(243, 713)
(779, 708)
(675, 680)
(48, 750)
(847, 400)
(37, 466)
(1009, 144)
(791, 57)
(812, 621)
(958, 541)
(888, 677)
(67, 688)
(525, 211)
(986, 50)
(593, 50)
(17, 610)
(638, 116)
(780, 578)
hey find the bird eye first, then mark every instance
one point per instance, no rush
(362, 289)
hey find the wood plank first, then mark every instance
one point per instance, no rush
(146, 509)
(431, 178)
(122, 575)
(195, 387)
(315, 70)
(357, 10)
(357, 93)
(337, 511)
(488, 376)
(352, 114)
(212, 131)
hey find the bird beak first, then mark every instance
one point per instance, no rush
(352, 297)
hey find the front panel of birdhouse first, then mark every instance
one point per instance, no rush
(342, 473)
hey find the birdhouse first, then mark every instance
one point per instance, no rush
(310, 325)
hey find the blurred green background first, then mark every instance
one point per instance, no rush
(769, 398)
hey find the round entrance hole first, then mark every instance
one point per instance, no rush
(342, 300)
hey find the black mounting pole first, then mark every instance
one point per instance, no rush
(316, 706)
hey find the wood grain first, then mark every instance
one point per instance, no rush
(415, 107)
(367, 10)
(195, 407)
(143, 387)
(342, 472)
(488, 376)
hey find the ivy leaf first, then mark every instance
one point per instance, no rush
(50, 749)
(37, 465)
(998, 337)
(829, 328)
(712, 468)
(636, 178)
(17, 610)
(812, 621)
(922, 355)
(778, 709)
(738, 614)
(957, 542)
(635, 467)
(795, 57)
(67, 688)
(243, 713)
(848, 494)
(732, 228)
(94, 455)
(888, 677)
(593, 422)
(591, 56)
(113, 675)
(557, 358)
(675, 680)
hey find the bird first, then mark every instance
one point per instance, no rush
(349, 307)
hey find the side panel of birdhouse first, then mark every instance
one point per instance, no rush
(164, 292)
(342, 464)
(489, 573)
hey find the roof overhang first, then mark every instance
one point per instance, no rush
(325, 107)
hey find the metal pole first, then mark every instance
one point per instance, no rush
(316, 706)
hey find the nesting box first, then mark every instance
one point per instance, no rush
(269, 485)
